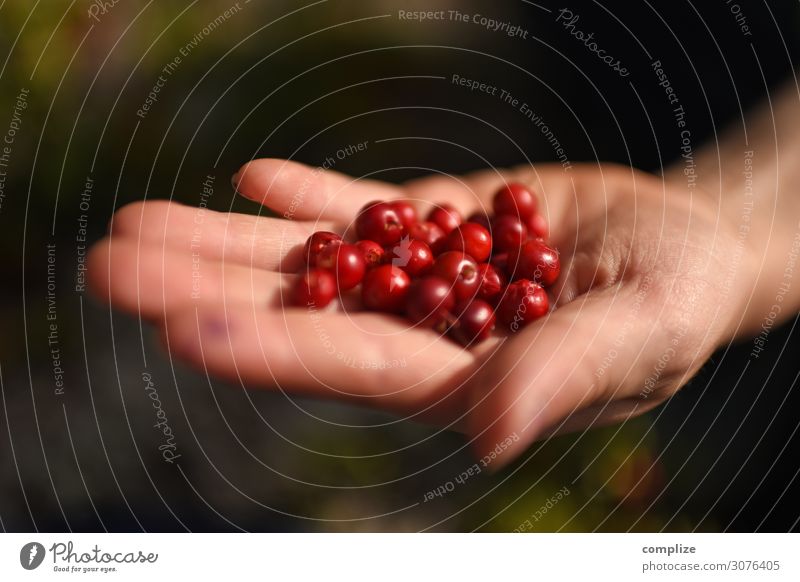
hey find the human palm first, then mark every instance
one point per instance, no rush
(645, 294)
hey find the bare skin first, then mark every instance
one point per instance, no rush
(649, 289)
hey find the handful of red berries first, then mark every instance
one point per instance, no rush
(456, 277)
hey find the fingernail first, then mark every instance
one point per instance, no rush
(235, 182)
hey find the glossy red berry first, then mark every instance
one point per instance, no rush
(537, 227)
(475, 323)
(492, 282)
(446, 217)
(508, 233)
(461, 271)
(411, 255)
(524, 301)
(430, 234)
(515, 199)
(372, 252)
(346, 262)
(534, 260)
(385, 288)
(481, 218)
(316, 242)
(430, 303)
(406, 212)
(379, 222)
(313, 287)
(472, 239)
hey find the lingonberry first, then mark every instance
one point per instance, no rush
(534, 260)
(514, 199)
(406, 212)
(430, 303)
(481, 218)
(316, 242)
(313, 287)
(475, 323)
(372, 252)
(492, 282)
(379, 222)
(508, 233)
(385, 288)
(411, 255)
(460, 270)
(524, 301)
(537, 226)
(430, 234)
(346, 262)
(447, 217)
(472, 239)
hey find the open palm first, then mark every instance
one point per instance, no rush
(645, 295)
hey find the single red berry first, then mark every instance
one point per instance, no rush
(406, 212)
(492, 282)
(475, 323)
(537, 226)
(523, 302)
(481, 218)
(471, 238)
(534, 260)
(379, 222)
(316, 242)
(313, 286)
(515, 199)
(411, 255)
(372, 252)
(447, 217)
(461, 271)
(346, 262)
(430, 303)
(508, 233)
(430, 234)
(385, 288)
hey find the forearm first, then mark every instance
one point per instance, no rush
(753, 173)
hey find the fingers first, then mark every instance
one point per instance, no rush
(368, 358)
(300, 192)
(149, 281)
(587, 352)
(260, 242)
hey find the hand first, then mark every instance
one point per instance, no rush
(647, 291)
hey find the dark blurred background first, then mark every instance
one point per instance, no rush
(296, 80)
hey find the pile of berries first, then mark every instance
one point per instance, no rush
(459, 278)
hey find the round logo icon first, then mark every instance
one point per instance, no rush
(31, 555)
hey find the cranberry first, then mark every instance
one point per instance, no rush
(523, 302)
(430, 234)
(481, 218)
(534, 260)
(492, 281)
(515, 199)
(537, 226)
(508, 233)
(413, 256)
(316, 242)
(379, 222)
(385, 288)
(430, 303)
(406, 212)
(447, 217)
(475, 322)
(346, 262)
(372, 252)
(460, 270)
(472, 239)
(313, 286)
